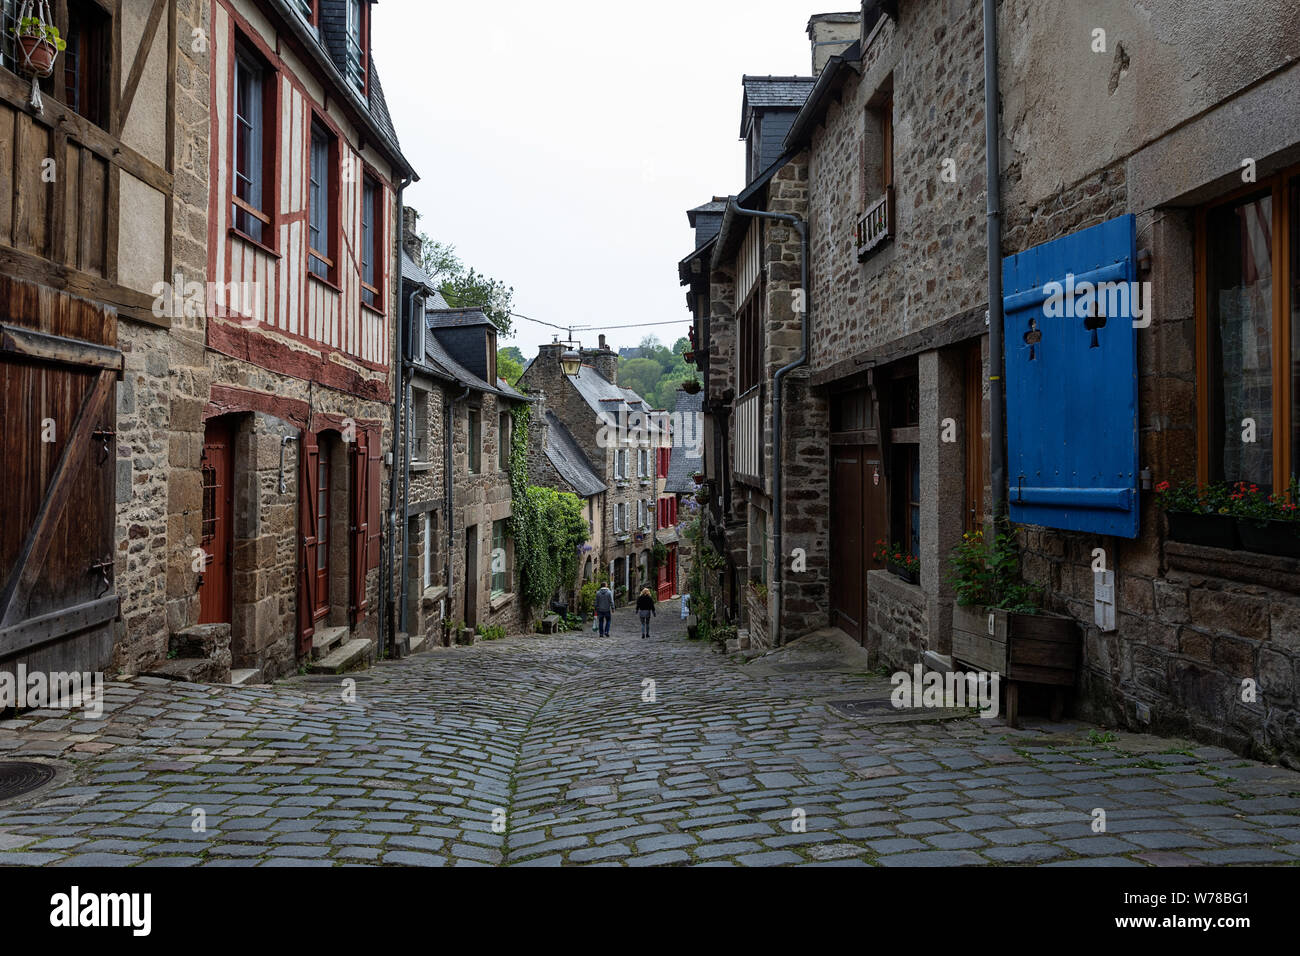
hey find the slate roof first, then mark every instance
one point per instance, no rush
(603, 395)
(689, 435)
(437, 358)
(569, 461)
(773, 92)
(458, 318)
(329, 43)
(411, 272)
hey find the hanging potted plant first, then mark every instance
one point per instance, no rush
(691, 386)
(39, 42)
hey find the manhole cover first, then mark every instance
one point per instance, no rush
(873, 707)
(19, 778)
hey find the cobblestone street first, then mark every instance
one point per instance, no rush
(719, 768)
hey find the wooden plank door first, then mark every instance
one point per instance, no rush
(58, 466)
(471, 576)
(218, 470)
(309, 473)
(359, 525)
(848, 569)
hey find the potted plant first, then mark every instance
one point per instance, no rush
(997, 625)
(1267, 524)
(1199, 514)
(688, 357)
(901, 563)
(39, 43)
(698, 477)
(691, 386)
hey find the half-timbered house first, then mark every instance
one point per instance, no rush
(97, 162)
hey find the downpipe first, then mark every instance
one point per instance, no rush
(778, 381)
(992, 176)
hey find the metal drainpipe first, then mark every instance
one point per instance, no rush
(386, 615)
(993, 172)
(778, 379)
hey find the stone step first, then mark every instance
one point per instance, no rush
(325, 640)
(246, 675)
(352, 656)
(194, 670)
(418, 641)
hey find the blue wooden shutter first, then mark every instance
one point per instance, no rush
(1072, 381)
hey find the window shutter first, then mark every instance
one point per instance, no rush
(308, 490)
(1072, 381)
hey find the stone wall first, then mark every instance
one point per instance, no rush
(898, 625)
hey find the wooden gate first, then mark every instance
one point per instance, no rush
(59, 368)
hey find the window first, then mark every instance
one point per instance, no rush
(308, 10)
(643, 463)
(904, 414)
(750, 340)
(253, 145)
(418, 330)
(620, 464)
(420, 425)
(878, 145)
(500, 559)
(85, 61)
(503, 441)
(429, 551)
(322, 189)
(372, 255)
(1248, 335)
(475, 442)
(358, 14)
(591, 517)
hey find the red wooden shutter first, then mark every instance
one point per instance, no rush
(308, 494)
(374, 485)
(360, 524)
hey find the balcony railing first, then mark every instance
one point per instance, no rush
(748, 426)
(875, 226)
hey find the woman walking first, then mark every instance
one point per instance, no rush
(645, 608)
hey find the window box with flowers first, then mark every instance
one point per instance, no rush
(1236, 517)
(898, 561)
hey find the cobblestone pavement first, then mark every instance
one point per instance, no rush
(562, 741)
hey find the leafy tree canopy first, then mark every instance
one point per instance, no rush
(467, 288)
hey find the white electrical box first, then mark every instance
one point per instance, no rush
(1104, 599)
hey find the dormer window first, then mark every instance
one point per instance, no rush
(356, 44)
(308, 10)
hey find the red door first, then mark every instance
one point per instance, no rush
(668, 574)
(217, 534)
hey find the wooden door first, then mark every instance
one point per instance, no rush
(471, 576)
(308, 528)
(858, 522)
(217, 540)
(58, 463)
(324, 514)
(359, 525)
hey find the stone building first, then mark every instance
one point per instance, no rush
(254, 426)
(1116, 162)
(680, 505)
(106, 202)
(613, 428)
(457, 501)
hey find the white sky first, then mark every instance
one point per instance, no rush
(560, 144)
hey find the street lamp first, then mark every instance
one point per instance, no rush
(570, 362)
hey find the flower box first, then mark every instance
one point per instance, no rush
(1207, 530)
(1280, 538)
(1038, 648)
(691, 387)
(910, 575)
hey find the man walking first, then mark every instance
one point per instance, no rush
(604, 608)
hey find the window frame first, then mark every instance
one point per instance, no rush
(499, 542)
(248, 58)
(474, 440)
(503, 441)
(357, 74)
(1281, 187)
(372, 202)
(329, 256)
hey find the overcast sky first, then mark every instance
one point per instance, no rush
(560, 144)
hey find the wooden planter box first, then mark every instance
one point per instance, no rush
(1023, 648)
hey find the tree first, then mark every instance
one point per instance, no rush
(507, 367)
(681, 345)
(467, 288)
(642, 375)
(512, 352)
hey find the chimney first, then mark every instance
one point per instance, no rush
(832, 34)
(411, 235)
(603, 360)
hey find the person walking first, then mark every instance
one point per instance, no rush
(645, 609)
(604, 608)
